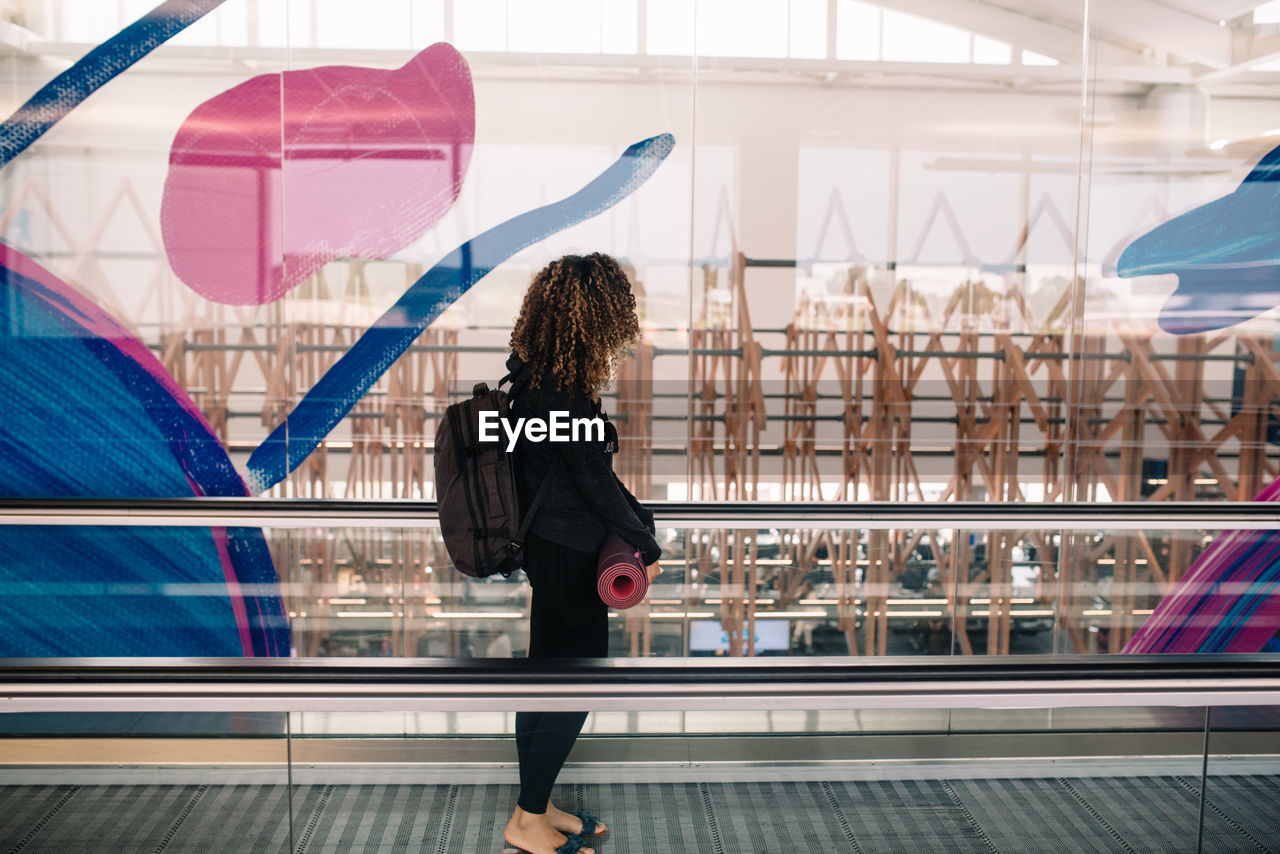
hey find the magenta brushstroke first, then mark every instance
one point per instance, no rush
(1206, 597)
(234, 593)
(268, 184)
(96, 321)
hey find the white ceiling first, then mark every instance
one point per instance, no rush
(1134, 31)
(1216, 10)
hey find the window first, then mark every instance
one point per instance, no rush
(743, 28)
(991, 52)
(907, 38)
(553, 26)
(385, 24)
(1267, 13)
(619, 24)
(770, 29)
(1030, 57)
(808, 33)
(669, 30)
(857, 30)
(480, 25)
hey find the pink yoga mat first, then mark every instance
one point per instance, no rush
(620, 576)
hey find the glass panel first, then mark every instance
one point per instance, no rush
(946, 279)
(915, 311)
(473, 173)
(387, 777)
(1175, 399)
(1128, 772)
(125, 381)
(1240, 776)
(828, 313)
(751, 774)
(334, 592)
(1006, 591)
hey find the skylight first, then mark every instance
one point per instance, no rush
(1030, 57)
(767, 29)
(908, 38)
(1267, 13)
(867, 32)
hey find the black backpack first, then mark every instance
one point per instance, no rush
(476, 493)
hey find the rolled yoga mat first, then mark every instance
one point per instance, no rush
(621, 579)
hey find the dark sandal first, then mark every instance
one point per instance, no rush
(589, 823)
(570, 846)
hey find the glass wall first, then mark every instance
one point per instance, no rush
(882, 252)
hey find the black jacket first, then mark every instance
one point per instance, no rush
(584, 499)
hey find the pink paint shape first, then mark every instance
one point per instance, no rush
(265, 188)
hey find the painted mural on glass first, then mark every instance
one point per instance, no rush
(366, 161)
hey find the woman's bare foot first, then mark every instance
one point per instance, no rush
(567, 822)
(534, 833)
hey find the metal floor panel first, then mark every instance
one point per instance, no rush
(1032, 815)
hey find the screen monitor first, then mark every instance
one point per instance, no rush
(708, 637)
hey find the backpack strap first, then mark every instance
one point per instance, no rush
(517, 542)
(518, 378)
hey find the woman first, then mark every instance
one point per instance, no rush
(578, 319)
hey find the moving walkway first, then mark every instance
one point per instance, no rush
(735, 753)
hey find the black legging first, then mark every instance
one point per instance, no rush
(566, 620)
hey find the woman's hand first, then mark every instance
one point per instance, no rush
(653, 569)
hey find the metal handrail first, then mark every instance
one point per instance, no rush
(294, 685)
(408, 513)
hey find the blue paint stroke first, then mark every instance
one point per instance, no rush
(351, 377)
(90, 412)
(1226, 255)
(95, 69)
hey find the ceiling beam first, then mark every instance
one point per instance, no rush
(195, 59)
(1258, 50)
(1154, 24)
(995, 22)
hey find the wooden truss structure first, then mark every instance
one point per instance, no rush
(1028, 408)
(1035, 408)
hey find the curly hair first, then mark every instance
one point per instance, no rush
(577, 320)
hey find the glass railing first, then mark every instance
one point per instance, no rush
(866, 754)
(886, 677)
(216, 577)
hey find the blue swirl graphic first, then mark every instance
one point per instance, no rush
(94, 70)
(1226, 255)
